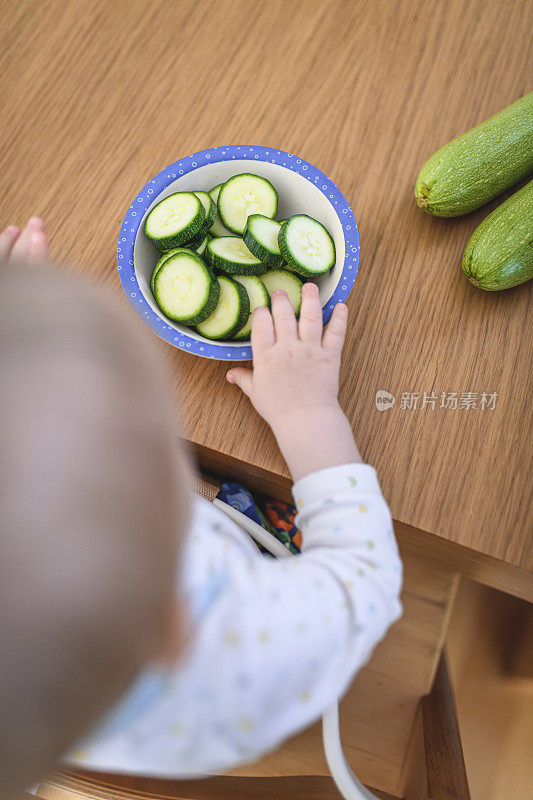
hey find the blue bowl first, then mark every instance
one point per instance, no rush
(302, 188)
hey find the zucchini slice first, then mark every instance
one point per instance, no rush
(197, 248)
(261, 237)
(217, 228)
(257, 295)
(210, 208)
(175, 220)
(287, 281)
(230, 313)
(243, 195)
(201, 247)
(159, 263)
(306, 246)
(185, 289)
(196, 241)
(230, 254)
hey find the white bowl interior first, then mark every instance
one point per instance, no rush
(296, 196)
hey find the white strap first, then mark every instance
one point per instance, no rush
(258, 534)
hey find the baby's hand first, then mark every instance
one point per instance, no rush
(296, 367)
(29, 245)
(295, 381)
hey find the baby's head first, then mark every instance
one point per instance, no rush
(94, 501)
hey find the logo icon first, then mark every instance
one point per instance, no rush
(384, 400)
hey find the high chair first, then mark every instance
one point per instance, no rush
(433, 769)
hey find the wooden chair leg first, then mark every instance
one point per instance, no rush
(435, 767)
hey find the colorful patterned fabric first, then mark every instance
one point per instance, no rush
(281, 517)
(273, 515)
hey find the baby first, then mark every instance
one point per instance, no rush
(141, 630)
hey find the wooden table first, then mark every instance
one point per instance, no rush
(97, 98)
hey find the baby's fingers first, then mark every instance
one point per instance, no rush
(310, 323)
(285, 324)
(7, 240)
(32, 244)
(262, 330)
(335, 330)
(242, 378)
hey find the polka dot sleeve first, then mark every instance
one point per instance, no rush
(275, 642)
(347, 528)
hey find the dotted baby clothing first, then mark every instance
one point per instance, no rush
(274, 644)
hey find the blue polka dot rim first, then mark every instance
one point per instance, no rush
(131, 227)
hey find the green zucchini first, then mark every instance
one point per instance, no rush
(479, 165)
(159, 263)
(261, 238)
(230, 254)
(175, 220)
(276, 279)
(200, 249)
(230, 313)
(217, 228)
(196, 241)
(185, 288)
(499, 254)
(243, 195)
(306, 246)
(196, 245)
(257, 295)
(210, 209)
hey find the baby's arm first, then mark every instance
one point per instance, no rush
(347, 582)
(290, 635)
(295, 381)
(275, 642)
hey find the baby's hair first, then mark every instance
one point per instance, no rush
(90, 518)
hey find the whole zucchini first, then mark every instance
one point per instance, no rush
(469, 171)
(499, 254)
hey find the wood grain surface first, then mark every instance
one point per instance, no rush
(434, 766)
(99, 786)
(97, 98)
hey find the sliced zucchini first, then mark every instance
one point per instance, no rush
(175, 220)
(230, 313)
(230, 254)
(257, 295)
(196, 241)
(217, 228)
(201, 247)
(306, 246)
(261, 238)
(185, 288)
(210, 208)
(243, 195)
(159, 262)
(192, 245)
(287, 281)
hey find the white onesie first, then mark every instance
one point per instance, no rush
(274, 644)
